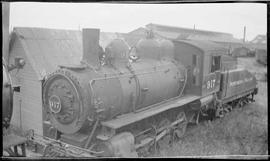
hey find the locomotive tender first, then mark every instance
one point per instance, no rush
(118, 102)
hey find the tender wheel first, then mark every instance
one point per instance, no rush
(181, 127)
(219, 111)
(237, 103)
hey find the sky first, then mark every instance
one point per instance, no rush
(221, 17)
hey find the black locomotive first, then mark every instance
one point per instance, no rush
(132, 97)
(123, 101)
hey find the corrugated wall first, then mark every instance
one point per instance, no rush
(27, 104)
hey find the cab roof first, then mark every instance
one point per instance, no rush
(207, 47)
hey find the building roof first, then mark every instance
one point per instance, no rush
(48, 48)
(139, 31)
(182, 29)
(172, 32)
(205, 46)
(259, 39)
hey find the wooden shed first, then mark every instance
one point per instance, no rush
(43, 50)
(261, 55)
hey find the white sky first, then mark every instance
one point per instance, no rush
(228, 17)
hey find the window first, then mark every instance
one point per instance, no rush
(194, 79)
(215, 63)
(194, 60)
(195, 71)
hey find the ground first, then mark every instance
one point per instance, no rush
(243, 132)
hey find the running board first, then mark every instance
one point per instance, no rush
(133, 117)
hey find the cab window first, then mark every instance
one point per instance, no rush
(194, 63)
(215, 63)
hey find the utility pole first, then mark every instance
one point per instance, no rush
(194, 28)
(244, 38)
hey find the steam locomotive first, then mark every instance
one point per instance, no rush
(121, 101)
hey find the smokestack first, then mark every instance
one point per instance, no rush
(90, 41)
(244, 38)
(5, 25)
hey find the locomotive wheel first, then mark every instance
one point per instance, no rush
(245, 101)
(229, 107)
(106, 148)
(181, 127)
(238, 103)
(144, 151)
(241, 104)
(10, 152)
(165, 141)
(47, 150)
(226, 109)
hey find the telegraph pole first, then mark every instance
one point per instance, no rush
(244, 38)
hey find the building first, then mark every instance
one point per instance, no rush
(187, 33)
(259, 44)
(234, 46)
(259, 39)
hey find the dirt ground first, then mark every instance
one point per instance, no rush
(241, 133)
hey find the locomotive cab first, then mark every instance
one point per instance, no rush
(203, 61)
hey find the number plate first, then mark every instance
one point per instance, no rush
(55, 104)
(210, 84)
